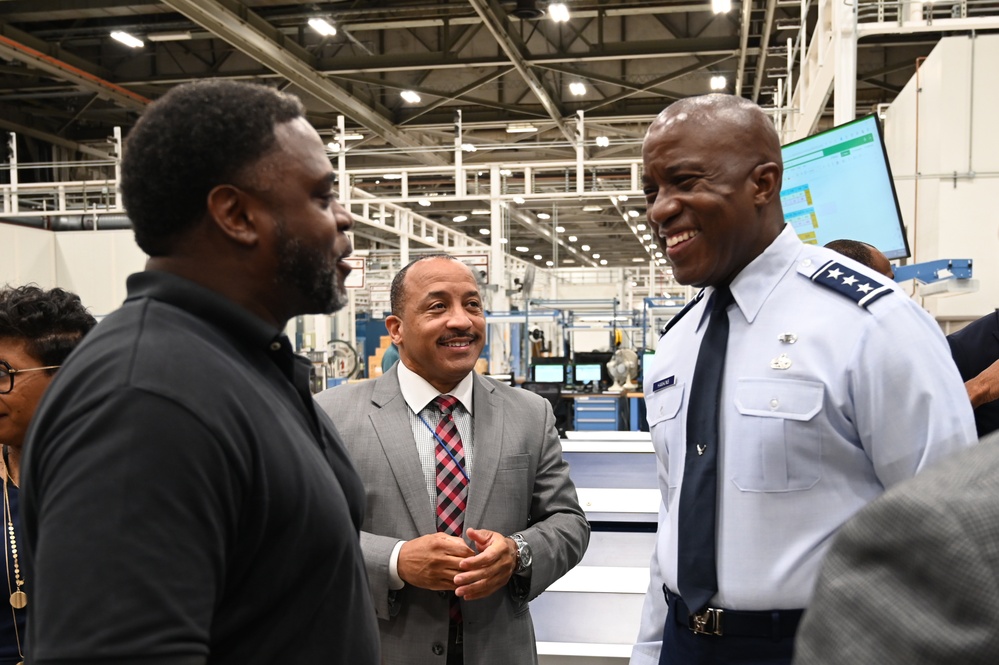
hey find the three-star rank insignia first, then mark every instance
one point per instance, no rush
(846, 281)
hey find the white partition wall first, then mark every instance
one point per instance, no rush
(943, 143)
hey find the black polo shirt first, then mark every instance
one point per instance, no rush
(183, 501)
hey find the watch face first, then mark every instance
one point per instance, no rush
(524, 555)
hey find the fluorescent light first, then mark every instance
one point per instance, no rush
(481, 211)
(484, 232)
(459, 218)
(585, 248)
(521, 248)
(622, 197)
(468, 147)
(603, 141)
(659, 255)
(559, 229)
(322, 26)
(568, 260)
(662, 261)
(577, 89)
(596, 255)
(632, 213)
(558, 12)
(640, 227)
(410, 96)
(506, 172)
(352, 136)
(333, 146)
(638, 260)
(549, 264)
(647, 236)
(544, 215)
(603, 262)
(179, 36)
(520, 128)
(592, 208)
(518, 200)
(537, 257)
(503, 241)
(718, 83)
(721, 6)
(393, 176)
(572, 238)
(127, 39)
(424, 202)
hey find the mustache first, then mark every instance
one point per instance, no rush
(470, 337)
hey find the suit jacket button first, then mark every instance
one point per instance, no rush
(438, 648)
(442, 594)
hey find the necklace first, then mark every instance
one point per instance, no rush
(18, 599)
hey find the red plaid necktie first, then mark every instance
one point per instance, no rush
(452, 485)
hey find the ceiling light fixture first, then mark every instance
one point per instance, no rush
(640, 227)
(622, 197)
(459, 218)
(559, 229)
(352, 136)
(333, 146)
(592, 208)
(537, 257)
(392, 176)
(424, 202)
(519, 200)
(410, 96)
(520, 128)
(638, 260)
(544, 215)
(577, 89)
(481, 211)
(484, 232)
(718, 83)
(506, 172)
(721, 6)
(596, 255)
(127, 39)
(572, 238)
(503, 241)
(633, 213)
(558, 12)
(549, 263)
(521, 248)
(468, 147)
(603, 262)
(322, 26)
(603, 141)
(585, 248)
(179, 36)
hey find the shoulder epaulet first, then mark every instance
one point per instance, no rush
(686, 308)
(846, 281)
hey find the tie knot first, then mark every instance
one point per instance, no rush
(446, 403)
(722, 299)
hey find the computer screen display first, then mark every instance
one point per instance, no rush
(549, 373)
(838, 185)
(647, 363)
(587, 373)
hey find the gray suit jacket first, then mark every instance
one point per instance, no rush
(520, 484)
(913, 578)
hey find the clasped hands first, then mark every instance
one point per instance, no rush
(445, 563)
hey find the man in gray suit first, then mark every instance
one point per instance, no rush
(453, 587)
(913, 578)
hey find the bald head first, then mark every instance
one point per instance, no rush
(863, 254)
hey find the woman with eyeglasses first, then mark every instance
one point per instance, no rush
(38, 330)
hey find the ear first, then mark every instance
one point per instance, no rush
(394, 326)
(767, 180)
(230, 208)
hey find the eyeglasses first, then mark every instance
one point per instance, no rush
(7, 375)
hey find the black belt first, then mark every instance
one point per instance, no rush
(777, 624)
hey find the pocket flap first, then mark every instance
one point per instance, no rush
(664, 404)
(791, 399)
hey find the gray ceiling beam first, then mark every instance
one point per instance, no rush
(25, 130)
(249, 33)
(761, 58)
(498, 25)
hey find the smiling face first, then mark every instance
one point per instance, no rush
(712, 187)
(18, 406)
(442, 328)
(294, 188)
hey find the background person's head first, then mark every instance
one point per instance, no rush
(712, 183)
(38, 328)
(863, 254)
(227, 183)
(437, 321)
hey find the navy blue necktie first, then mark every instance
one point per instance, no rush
(697, 577)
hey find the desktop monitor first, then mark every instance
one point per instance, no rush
(552, 391)
(598, 358)
(549, 373)
(838, 185)
(587, 372)
(647, 359)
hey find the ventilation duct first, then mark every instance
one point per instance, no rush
(527, 10)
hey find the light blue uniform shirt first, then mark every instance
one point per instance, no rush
(825, 404)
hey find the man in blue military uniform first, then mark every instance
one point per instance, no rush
(817, 386)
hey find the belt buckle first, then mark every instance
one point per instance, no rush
(708, 622)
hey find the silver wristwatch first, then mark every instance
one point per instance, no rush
(524, 555)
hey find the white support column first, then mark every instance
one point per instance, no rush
(459, 172)
(580, 151)
(496, 299)
(845, 51)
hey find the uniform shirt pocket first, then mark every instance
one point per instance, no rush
(661, 410)
(778, 446)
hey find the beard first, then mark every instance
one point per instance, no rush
(312, 272)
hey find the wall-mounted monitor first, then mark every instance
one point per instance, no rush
(838, 185)
(587, 372)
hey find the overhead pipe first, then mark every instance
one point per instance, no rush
(82, 222)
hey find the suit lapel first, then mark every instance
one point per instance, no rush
(487, 430)
(391, 422)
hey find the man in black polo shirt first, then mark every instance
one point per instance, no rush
(184, 502)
